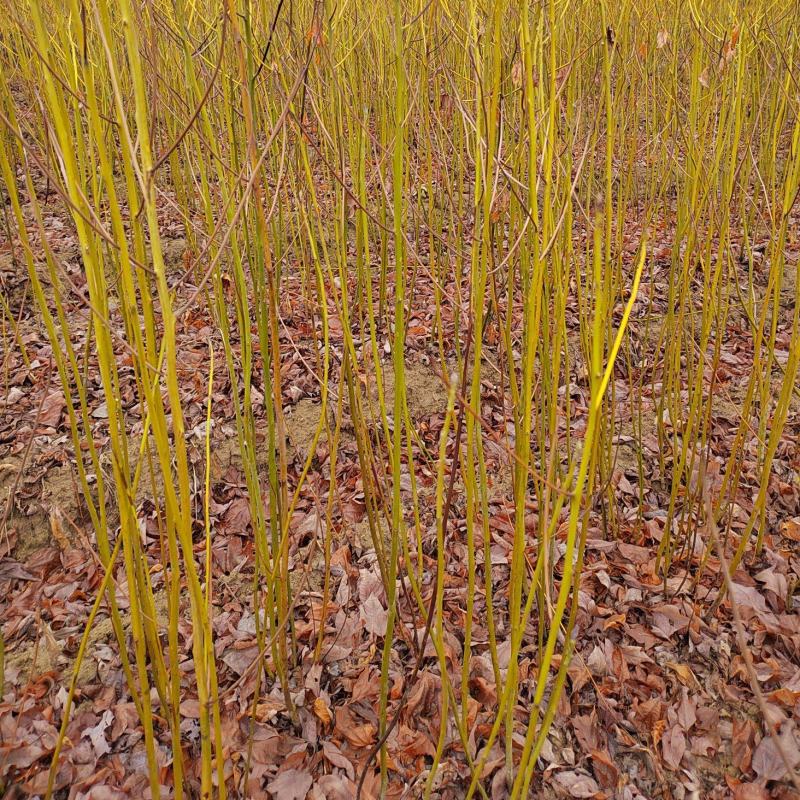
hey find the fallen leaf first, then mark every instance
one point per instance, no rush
(614, 621)
(361, 735)
(237, 517)
(337, 787)
(686, 711)
(747, 791)
(767, 761)
(322, 711)
(291, 784)
(57, 528)
(577, 784)
(97, 733)
(375, 616)
(673, 746)
(483, 691)
(588, 732)
(52, 407)
(338, 758)
(748, 598)
(790, 528)
(684, 673)
(604, 769)
(744, 732)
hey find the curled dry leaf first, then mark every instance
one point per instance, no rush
(578, 784)
(744, 731)
(360, 735)
(52, 408)
(684, 673)
(322, 712)
(334, 787)
(790, 528)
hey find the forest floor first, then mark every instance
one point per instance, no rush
(658, 701)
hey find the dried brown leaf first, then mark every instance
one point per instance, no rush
(291, 784)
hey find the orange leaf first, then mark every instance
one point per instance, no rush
(790, 528)
(322, 711)
(614, 621)
(684, 673)
(360, 735)
(658, 730)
